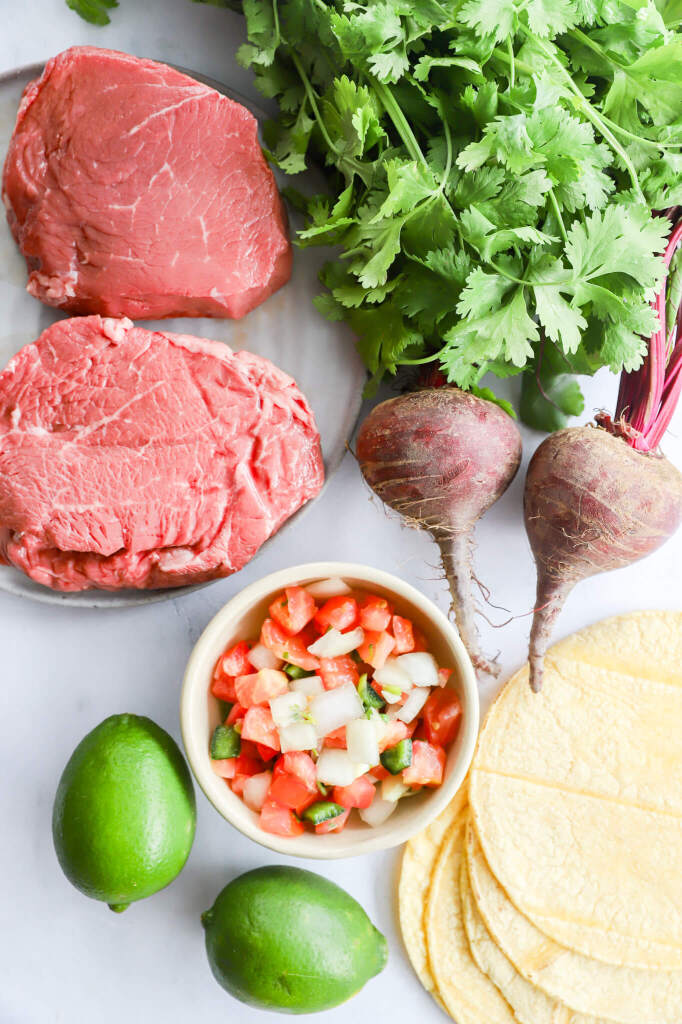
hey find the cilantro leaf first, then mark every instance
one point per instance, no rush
(94, 11)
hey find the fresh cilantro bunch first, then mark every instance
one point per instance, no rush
(494, 169)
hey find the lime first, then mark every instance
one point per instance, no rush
(285, 939)
(124, 814)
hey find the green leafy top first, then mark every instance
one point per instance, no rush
(493, 166)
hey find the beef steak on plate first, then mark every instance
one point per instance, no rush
(137, 458)
(133, 190)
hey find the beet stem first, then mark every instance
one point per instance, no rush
(550, 599)
(455, 550)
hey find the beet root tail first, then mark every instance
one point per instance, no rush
(551, 596)
(455, 551)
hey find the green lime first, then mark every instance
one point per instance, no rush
(289, 940)
(124, 814)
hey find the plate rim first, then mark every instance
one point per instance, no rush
(96, 597)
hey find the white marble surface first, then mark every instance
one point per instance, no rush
(67, 959)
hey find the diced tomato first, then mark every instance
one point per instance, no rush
(234, 662)
(238, 782)
(260, 687)
(333, 824)
(394, 733)
(267, 753)
(375, 648)
(338, 613)
(375, 613)
(378, 773)
(249, 749)
(293, 609)
(223, 689)
(443, 676)
(337, 671)
(359, 794)
(236, 712)
(259, 727)
(248, 762)
(288, 648)
(428, 765)
(226, 768)
(420, 643)
(441, 715)
(300, 764)
(279, 820)
(290, 790)
(403, 633)
(337, 738)
(420, 732)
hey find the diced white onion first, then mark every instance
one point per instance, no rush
(333, 643)
(334, 708)
(414, 703)
(261, 657)
(393, 788)
(255, 790)
(420, 667)
(391, 698)
(288, 708)
(336, 768)
(322, 590)
(378, 811)
(362, 743)
(301, 736)
(309, 685)
(392, 673)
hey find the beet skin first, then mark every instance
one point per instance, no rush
(591, 503)
(441, 457)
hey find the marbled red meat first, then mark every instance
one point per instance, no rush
(136, 458)
(134, 190)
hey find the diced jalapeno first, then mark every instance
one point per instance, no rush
(368, 695)
(322, 811)
(398, 757)
(225, 742)
(295, 672)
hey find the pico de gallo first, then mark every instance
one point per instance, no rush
(337, 706)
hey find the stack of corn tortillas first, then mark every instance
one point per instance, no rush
(550, 890)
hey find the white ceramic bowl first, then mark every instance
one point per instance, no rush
(241, 619)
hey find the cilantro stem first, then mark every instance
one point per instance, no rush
(275, 16)
(520, 64)
(512, 63)
(312, 99)
(581, 37)
(557, 214)
(594, 117)
(402, 126)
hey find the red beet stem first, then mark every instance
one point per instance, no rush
(647, 397)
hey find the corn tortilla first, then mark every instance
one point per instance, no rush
(468, 994)
(418, 862)
(627, 995)
(576, 793)
(530, 1004)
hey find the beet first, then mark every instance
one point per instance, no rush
(591, 503)
(599, 498)
(440, 457)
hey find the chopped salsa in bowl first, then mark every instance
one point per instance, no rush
(338, 707)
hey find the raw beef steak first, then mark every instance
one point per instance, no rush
(136, 191)
(135, 458)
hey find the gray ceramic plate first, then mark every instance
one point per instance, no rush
(287, 329)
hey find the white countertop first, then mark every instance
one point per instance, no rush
(68, 959)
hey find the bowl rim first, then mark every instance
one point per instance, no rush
(309, 845)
